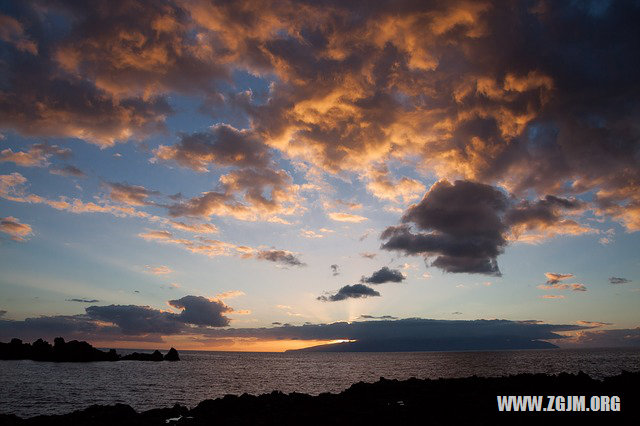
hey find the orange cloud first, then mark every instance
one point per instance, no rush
(12, 226)
(346, 217)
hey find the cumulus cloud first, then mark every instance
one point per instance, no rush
(356, 291)
(202, 311)
(618, 280)
(463, 224)
(245, 194)
(14, 228)
(384, 275)
(222, 145)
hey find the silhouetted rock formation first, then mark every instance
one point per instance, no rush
(172, 355)
(136, 356)
(73, 351)
(464, 401)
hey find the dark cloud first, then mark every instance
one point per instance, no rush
(68, 170)
(222, 145)
(202, 311)
(356, 291)
(134, 195)
(2, 312)
(137, 320)
(382, 317)
(618, 280)
(384, 275)
(83, 300)
(464, 224)
(280, 256)
(335, 270)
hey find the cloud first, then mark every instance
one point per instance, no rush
(245, 194)
(356, 291)
(535, 221)
(12, 226)
(382, 317)
(230, 294)
(83, 300)
(383, 186)
(618, 280)
(196, 228)
(551, 296)
(12, 188)
(335, 270)
(464, 227)
(222, 145)
(159, 270)
(68, 170)
(214, 248)
(593, 323)
(135, 320)
(384, 275)
(574, 287)
(202, 311)
(417, 334)
(604, 338)
(368, 255)
(37, 156)
(346, 217)
(134, 195)
(554, 277)
(279, 256)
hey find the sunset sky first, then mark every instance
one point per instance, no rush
(278, 174)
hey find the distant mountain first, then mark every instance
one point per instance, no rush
(430, 345)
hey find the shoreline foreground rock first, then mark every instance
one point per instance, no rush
(465, 401)
(73, 351)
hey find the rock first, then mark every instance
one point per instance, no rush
(172, 355)
(73, 351)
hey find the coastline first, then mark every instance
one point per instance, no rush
(413, 401)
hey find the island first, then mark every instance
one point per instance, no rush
(73, 351)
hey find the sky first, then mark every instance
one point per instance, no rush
(225, 175)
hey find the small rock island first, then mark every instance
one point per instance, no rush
(73, 351)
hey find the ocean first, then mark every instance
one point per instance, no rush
(29, 388)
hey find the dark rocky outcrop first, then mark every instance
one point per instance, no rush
(137, 356)
(463, 401)
(172, 355)
(73, 351)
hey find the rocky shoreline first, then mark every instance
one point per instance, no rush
(74, 351)
(463, 401)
